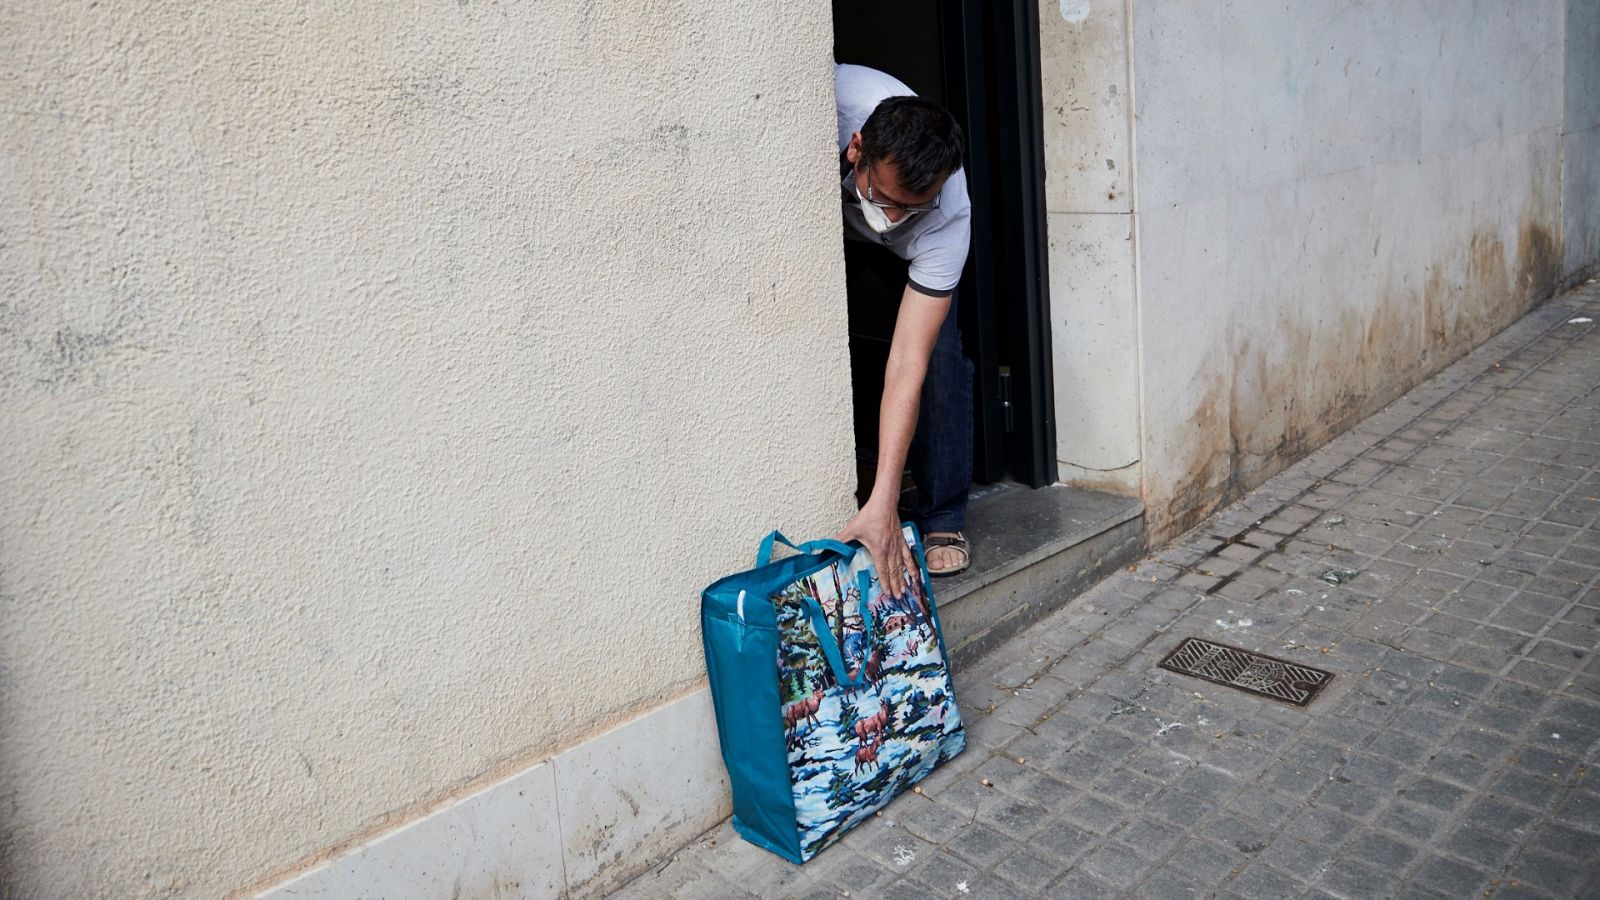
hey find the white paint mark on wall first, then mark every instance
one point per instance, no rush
(1075, 11)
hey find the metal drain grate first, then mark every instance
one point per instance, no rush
(1267, 676)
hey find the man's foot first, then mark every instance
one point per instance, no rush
(947, 552)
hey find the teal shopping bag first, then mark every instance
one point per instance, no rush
(831, 696)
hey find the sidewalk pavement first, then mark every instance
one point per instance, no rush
(1451, 756)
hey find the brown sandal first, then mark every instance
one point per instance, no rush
(954, 540)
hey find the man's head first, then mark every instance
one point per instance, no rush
(904, 152)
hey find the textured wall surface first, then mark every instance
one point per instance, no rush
(380, 385)
(1089, 198)
(1580, 139)
(1334, 200)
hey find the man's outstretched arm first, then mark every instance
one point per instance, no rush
(877, 525)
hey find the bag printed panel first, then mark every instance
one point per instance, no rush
(852, 750)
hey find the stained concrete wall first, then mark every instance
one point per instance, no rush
(1334, 200)
(1580, 140)
(380, 385)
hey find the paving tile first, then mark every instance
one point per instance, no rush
(904, 889)
(1418, 823)
(1268, 808)
(847, 870)
(1030, 871)
(1450, 878)
(1321, 826)
(888, 846)
(1077, 884)
(1440, 795)
(980, 845)
(1353, 798)
(1017, 818)
(1262, 880)
(1349, 878)
(1382, 850)
(1097, 815)
(1204, 862)
(1528, 789)
(1178, 807)
(1167, 883)
(1490, 848)
(941, 871)
(1063, 841)
(1115, 864)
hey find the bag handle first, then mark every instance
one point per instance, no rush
(830, 646)
(764, 552)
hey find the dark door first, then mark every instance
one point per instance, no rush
(981, 61)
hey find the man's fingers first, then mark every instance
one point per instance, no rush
(887, 573)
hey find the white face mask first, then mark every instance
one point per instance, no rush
(878, 220)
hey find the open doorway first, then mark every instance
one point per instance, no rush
(981, 61)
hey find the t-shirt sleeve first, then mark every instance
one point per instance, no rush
(939, 254)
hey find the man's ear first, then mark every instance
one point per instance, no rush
(852, 150)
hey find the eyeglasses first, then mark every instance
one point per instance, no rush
(890, 204)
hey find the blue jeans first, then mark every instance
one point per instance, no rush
(941, 449)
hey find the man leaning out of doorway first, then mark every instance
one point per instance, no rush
(903, 190)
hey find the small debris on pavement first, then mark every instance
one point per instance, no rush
(1337, 577)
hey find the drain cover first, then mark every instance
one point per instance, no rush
(1267, 676)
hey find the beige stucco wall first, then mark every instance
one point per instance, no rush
(380, 384)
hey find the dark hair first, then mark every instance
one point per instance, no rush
(919, 137)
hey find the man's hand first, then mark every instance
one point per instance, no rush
(877, 527)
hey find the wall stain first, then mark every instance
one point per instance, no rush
(1263, 404)
(1538, 262)
(70, 354)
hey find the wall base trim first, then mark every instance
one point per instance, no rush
(576, 825)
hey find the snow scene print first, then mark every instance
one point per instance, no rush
(852, 750)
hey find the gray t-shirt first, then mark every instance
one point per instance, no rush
(934, 242)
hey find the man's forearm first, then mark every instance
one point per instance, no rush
(916, 328)
(897, 422)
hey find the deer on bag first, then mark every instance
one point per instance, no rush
(802, 711)
(874, 667)
(867, 755)
(874, 724)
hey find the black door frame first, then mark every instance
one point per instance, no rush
(993, 84)
(983, 57)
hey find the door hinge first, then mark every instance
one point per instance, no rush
(1005, 399)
